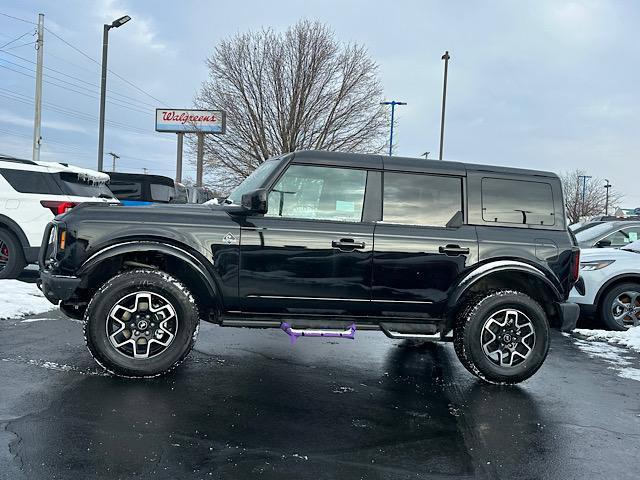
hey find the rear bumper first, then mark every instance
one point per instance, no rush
(569, 313)
(57, 287)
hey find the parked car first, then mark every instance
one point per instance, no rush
(609, 285)
(199, 194)
(324, 244)
(31, 194)
(141, 189)
(609, 234)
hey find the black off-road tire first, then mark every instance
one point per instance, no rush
(606, 306)
(468, 330)
(16, 261)
(147, 280)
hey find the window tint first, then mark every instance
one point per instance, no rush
(320, 193)
(254, 181)
(517, 201)
(421, 199)
(126, 190)
(624, 237)
(31, 182)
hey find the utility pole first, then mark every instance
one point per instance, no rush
(446, 58)
(584, 190)
(37, 121)
(607, 186)
(114, 158)
(103, 83)
(145, 170)
(393, 104)
(425, 155)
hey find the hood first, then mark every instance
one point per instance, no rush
(593, 254)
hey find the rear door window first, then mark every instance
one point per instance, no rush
(517, 201)
(419, 199)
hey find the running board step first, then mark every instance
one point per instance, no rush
(295, 333)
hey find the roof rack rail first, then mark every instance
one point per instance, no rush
(5, 158)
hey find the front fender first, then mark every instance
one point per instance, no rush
(118, 249)
(499, 266)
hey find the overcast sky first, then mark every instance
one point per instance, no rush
(543, 84)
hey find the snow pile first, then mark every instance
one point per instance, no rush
(629, 338)
(18, 299)
(615, 348)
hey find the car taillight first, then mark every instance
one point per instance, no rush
(575, 268)
(57, 208)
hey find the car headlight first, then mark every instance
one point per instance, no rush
(597, 265)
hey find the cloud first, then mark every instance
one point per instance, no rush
(10, 118)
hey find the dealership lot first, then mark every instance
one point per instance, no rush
(248, 404)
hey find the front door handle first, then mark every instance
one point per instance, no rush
(453, 250)
(347, 244)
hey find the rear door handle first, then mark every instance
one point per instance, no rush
(347, 244)
(453, 250)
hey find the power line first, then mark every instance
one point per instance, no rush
(74, 78)
(15, 39)
(113, 101)
(98, 63)
(17, 18)
(68, 111)
(18, 46)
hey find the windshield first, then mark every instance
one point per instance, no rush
(253, 181)
(71, 184)
(593, 232)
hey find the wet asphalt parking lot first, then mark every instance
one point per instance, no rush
(247, 404)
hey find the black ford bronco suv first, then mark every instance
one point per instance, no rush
(320, 243)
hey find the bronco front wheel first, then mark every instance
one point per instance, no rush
(141, 323)
(502, 336)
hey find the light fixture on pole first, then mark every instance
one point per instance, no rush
(103, 83)
(393, 104)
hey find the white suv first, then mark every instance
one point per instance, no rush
(31, 194)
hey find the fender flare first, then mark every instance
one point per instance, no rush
(150, 246)
(632, 277)
(499, 266)
(14, 228)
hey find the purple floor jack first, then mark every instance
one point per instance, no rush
(295, 333)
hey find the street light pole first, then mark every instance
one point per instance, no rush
(607, 186)
(393, 104)
(446, 58)
(103, 83)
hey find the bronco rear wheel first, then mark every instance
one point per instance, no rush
(141, 323)
(502, 336)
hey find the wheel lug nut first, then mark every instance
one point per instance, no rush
(147, 333)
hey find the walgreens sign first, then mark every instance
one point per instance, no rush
(190, 121)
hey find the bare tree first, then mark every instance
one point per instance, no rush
(594, 200)
(296, 90)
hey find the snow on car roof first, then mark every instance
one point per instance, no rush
(84, 174)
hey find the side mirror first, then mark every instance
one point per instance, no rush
(604, 243)
(255, 202)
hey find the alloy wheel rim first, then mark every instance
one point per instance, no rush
(142, 325)
(4, 255)
(508, 337)
(626, 309)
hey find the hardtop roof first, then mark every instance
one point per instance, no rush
(384, 162)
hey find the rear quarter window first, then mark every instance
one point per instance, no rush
(31, 182)
(517, 201)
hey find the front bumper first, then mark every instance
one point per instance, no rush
(569, 313)
(57, 287)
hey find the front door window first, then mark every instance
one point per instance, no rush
(319, 193)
